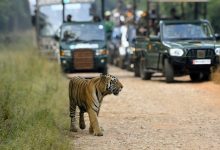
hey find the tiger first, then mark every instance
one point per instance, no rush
(88, 95)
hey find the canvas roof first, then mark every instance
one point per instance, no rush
(44, 2)
(178, 0)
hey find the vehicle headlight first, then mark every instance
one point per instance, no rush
(217, 51)
(65, 53)
(101, 52)
(176, 52)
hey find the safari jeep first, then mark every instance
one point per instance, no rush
(83, 47)
(180, 48)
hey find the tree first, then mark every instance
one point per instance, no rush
(14, 15)
(213, 15)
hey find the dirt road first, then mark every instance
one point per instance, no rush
(156, 115)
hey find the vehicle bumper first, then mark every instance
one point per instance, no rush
(99, 63)
(185, 65)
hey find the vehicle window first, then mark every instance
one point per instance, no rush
(50, 19)
(51, 16)
(187, 31)
(76, 9)
(77, 32)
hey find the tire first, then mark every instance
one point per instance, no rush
(122, 63)
(206, 76)
(168, 71)
(195, 77)
(137, 69)
(104, 70)
(65, 70)
(145, 75)
(115, 62)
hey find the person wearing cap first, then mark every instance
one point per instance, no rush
(108, 24)
(142, 24)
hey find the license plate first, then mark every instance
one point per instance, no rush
(201, 61)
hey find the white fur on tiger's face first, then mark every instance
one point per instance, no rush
(113, 85)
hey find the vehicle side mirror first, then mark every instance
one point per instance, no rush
(155, 38)
(217, 36)
(117, 37)
(133, 40)
(56, 37)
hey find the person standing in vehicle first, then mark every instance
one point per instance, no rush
(69, 18)
(142, 24)
(108, 25)
(173, 14)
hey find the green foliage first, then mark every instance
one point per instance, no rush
(33, 100)
(213, 15)
(14, 14)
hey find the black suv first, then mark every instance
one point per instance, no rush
(180, 48)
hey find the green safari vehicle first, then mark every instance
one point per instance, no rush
(83, 47)
(180, 48)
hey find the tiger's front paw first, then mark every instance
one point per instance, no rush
(96, 133)
(99, 133)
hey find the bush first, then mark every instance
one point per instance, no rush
(33, 100)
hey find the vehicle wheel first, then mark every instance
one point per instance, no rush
(137, 69)
(144, 74)
(104, 70)
(206, 76)
(111, 61)
(195, 77)
(115, 62)
(64, 70)
(122, 64)
(168, 71)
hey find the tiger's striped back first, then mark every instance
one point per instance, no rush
(77, 92)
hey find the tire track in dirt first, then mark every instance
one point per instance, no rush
(156, 115)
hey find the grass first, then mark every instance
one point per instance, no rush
(33, 100)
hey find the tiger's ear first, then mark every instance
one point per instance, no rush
(101, 75)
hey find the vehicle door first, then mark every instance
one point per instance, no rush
(153, 52)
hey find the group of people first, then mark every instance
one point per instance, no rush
(124, 26)
(146, 23)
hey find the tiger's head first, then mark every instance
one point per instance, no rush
(113, 85)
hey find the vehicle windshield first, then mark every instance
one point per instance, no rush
(187, 31)
(51, 16)
(50, 19)
(83, 32)
(76, 9)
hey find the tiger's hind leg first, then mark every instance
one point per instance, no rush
(82, 124)
(72, 109)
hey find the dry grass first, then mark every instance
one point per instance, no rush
(33, 100)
